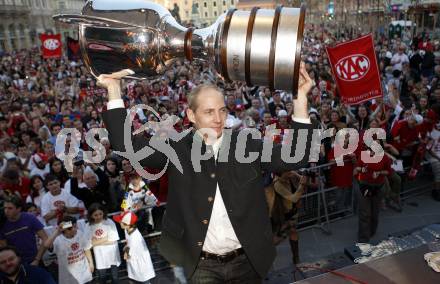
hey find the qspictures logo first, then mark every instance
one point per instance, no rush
(164, 135)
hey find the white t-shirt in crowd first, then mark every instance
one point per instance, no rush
(105, 255)
(36, 200)
(50, 202)
(139, 265)
(400, 58)
(73, 267)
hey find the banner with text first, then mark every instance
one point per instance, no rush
(51, 45)
(355, 70)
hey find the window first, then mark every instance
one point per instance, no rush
(205, 5)
(215, 4)
(11, 31)
(224, 3)
(206, 14)
(232, 2)
(215, 13)
(21, 30)
(187, 14)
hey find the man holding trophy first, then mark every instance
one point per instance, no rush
(216, 225)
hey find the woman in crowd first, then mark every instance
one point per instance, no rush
(57, 168)
(37, 191)
(104, 237)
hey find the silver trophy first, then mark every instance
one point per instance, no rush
(260, 47)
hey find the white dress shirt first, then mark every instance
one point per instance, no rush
(221, 237)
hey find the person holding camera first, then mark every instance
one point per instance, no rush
(95, 186)
(72, 248)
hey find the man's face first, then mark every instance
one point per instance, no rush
(267, 118)
(256, 104)
(9, 262)
(231, 100)
(90, 180)
(48, 148)
(54, 187)
(211, 111)
(11, 211)
(22, 151)
(56, 130)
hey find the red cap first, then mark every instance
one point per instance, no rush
(128, 218)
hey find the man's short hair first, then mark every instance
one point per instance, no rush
(11, 248)
(15, 200)
(50, 178)
(192, 97)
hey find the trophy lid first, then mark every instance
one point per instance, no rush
(112, 5)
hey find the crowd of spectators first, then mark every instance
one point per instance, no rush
(40, 97)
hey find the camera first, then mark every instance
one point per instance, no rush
(78, 160)
(308, 172)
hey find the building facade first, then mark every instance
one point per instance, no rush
(266, 4)
(24, 20)
(206, 12)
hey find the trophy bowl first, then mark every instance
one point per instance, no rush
(260, 47)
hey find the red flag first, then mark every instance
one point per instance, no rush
(355, 69)
(51, 45)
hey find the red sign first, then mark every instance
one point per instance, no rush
(51, 45)
(355, 69)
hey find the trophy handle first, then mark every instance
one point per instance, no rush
(93, 21)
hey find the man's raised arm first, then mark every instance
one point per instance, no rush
(115, 116)
(302, 133)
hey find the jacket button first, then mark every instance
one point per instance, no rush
(213, 175)
(210, 199)
(205, 222)
(199, 244)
